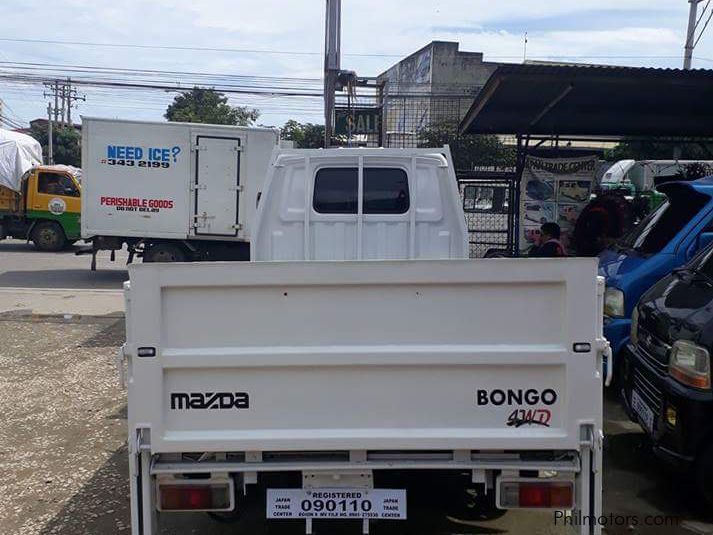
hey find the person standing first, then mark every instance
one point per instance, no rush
(550, 244)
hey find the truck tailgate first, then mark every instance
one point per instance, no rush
(415, 355)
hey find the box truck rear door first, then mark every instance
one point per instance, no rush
(217, 184)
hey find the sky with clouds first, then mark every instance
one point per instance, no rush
(375, 33)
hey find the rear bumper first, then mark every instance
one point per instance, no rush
(676, 444)
(565, 462)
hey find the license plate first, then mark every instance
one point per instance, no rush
(336, 503)
(642, 410)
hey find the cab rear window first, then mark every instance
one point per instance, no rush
(336, 190)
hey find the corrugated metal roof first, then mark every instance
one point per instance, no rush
(594, 100)
(586, 68)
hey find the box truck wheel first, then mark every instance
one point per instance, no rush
(48, 236)
(164, 252)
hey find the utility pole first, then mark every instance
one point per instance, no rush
(50, 154)
(72, 96)
(691, 39)
(332, 64)
(63, 98)
(52, 117)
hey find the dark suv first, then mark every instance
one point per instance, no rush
(667, 368)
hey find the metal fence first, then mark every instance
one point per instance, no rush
(406, 118)
(490, 206)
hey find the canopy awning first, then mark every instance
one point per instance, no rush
(566, 100)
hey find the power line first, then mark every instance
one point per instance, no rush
(4, 119)
(118, 70)
(191, 48)
(703, 12)
(704, 28)
(174, 87)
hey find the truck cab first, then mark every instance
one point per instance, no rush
(46, 210)
(666, 239)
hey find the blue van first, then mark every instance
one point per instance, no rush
(666, 239)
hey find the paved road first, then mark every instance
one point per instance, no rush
(21, 266)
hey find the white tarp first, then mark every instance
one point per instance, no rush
(18, 154)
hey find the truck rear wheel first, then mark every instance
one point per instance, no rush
(48, 236)
(164, 252)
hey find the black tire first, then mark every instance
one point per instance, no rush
(48, 236)
(704, 477)
(165, 252)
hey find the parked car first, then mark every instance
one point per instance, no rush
(575, 190)
(535, 213)
(539, 190)
(666, 239)
(667, 369)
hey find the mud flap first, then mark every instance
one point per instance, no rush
(144, 518)
(589, 484)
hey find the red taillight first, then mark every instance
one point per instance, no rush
(546, 495)
(536, 494)
(194, 497)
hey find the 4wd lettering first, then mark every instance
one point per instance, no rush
(530, 396)
(520, 417)
(210, 400)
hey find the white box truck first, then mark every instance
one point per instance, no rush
(361, 346)
(172, 191)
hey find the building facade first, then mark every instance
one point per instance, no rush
(432, 88)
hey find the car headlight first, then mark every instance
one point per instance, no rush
(614, 303)
(634, 336)
(690, 364)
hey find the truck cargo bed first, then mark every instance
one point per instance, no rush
(379, 355)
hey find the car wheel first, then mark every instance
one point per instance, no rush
(704, 477)
(165, 252)
(48, 236)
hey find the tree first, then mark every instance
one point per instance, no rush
(209, 106)
(66, 144)
(304, 135)
(469, 151)
(655, 150)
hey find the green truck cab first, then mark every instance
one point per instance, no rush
(45, 211)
